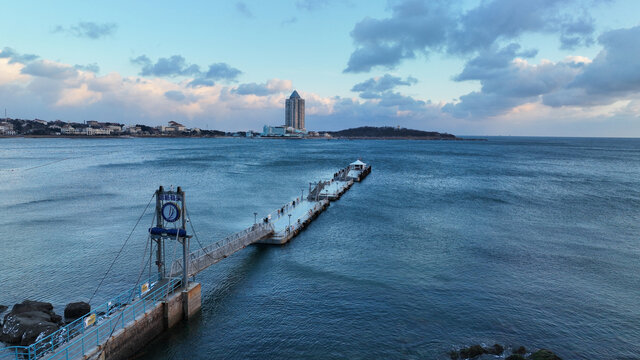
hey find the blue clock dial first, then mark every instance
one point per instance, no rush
(170, 212)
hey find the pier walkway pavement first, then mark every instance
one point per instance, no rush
(285, 226)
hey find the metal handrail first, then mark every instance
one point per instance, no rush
(303, 218)
(79, 335)
(177, 266)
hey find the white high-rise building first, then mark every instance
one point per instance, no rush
(294, 111)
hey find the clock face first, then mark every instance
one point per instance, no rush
(170, 212)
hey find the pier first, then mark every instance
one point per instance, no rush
(121, 327)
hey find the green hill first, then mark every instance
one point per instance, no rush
(388, 132)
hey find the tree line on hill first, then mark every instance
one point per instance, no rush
(389, 132)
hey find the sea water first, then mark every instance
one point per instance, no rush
(517, 241)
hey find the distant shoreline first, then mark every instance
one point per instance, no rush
(406, 138)
(234, 137)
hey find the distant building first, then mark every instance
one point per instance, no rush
(6, 128)
(177, 126)
(274, 130)
(282, 131)
(294, 111)
(134, 130)
(114, 128)
(67, 129)
(91, 131)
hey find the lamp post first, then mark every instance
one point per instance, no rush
(289, 221)
(302, 194)
(255, 217)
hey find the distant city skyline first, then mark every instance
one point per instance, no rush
(494, 67)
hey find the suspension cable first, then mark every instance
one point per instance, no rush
(121, 249)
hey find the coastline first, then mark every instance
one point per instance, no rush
(237, 137)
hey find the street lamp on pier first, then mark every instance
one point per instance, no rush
(255, 217)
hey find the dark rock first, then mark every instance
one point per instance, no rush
(454, 355)
(30, 305)
(515, 357)
(472, 351)
(544, 354)
(496, 349)
(28, 321)
(76, 310)
(2, 309)
(56, 318)
(520, 351)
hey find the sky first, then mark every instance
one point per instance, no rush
(471, 67)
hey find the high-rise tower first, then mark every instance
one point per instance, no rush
(294, 111)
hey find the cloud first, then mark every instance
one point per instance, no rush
(272, 86)
(200, 82)
(175, 95)
(14, 57)
(406, 103)
(43, 88)
(615, 70)
(243, 9)
(311, 5)
(372, 88)
(80, 95)
(513, 90)
(491, 60)
(577, 32)
(49, 69)
(93, 67)
(88, 29)
(509, 81)
(422, 27)
(222, 71)
(175, 65)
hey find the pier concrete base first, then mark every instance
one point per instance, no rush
(173, 310)
(127, 342)
(191, 300)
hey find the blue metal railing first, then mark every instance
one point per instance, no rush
(84, 334)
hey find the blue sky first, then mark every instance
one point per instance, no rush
(493, 67)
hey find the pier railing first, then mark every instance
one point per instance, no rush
(80, 337)
(278, 213)
(304, 218)
(211, 254)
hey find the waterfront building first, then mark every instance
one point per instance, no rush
(269, 131)
(177, 126)
(114, 128)
(294, 111)
(67, 129)
(6, 128)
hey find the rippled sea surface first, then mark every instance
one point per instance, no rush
(517, 241)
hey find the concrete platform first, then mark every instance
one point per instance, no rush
(334, 190)
(301, 215)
